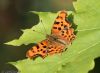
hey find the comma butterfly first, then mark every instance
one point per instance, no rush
(62, 34)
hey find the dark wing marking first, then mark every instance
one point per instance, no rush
(40, 49)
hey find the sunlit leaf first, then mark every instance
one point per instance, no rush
(79, 58)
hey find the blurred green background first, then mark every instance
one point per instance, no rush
(14, 16)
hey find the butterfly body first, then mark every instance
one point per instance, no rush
(62, 34)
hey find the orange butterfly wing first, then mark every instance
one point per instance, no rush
(38, 50)
(62, 28)
(62, 34)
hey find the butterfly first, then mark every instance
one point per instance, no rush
(62, 35)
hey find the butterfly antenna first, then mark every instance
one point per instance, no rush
(44, 27)
(45, 33)
(39, 32)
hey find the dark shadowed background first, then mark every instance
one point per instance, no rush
(13, 17)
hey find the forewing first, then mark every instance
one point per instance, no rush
(62, 28)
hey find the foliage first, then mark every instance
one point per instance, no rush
(79, 58)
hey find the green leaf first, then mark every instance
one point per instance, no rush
(41, 29)
(79, 58)
(78, 66)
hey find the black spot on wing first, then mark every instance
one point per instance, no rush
(59, 28)
(41, 49)
(38, 50)
(62, 31)
(56, 22)
(61, 24)
(44, 51)
(69, 36)
(62, 34)
(37, 46)
(54, 27)
(33, 51)
(65, 36)
(44, 46)
(49, 47)
(42, 43)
